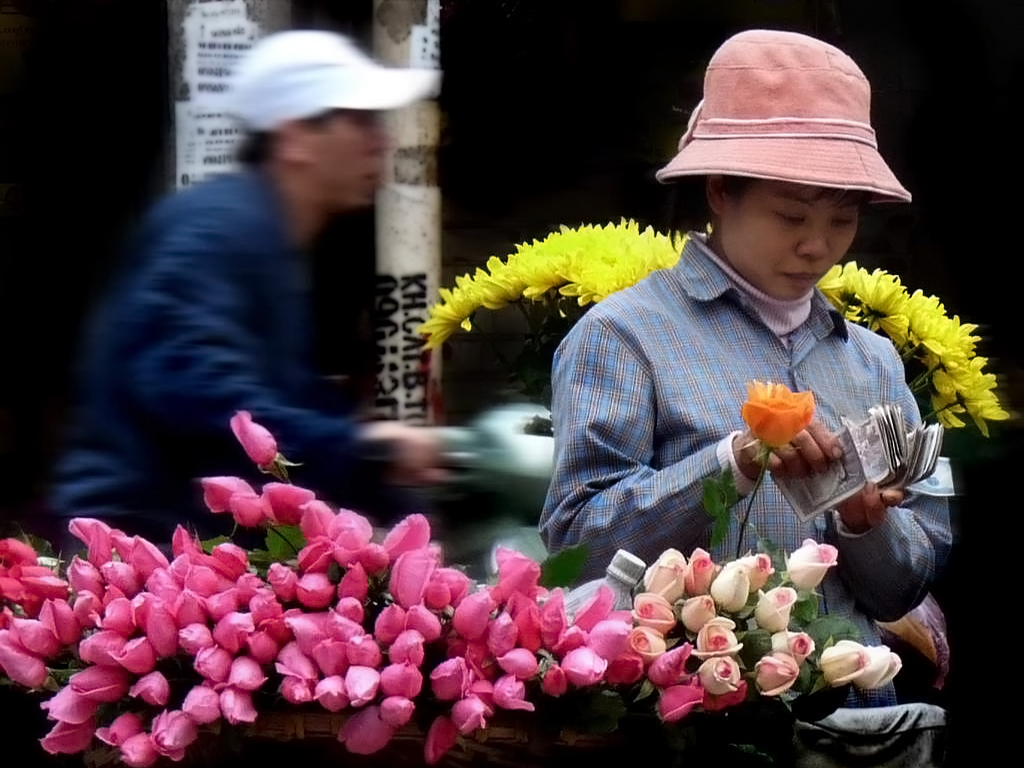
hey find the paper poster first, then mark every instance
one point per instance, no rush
(216, 35)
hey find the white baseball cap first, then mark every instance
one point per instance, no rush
(298, 74)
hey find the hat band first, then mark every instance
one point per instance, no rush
(786, 128)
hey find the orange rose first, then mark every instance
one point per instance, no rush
(775, 414)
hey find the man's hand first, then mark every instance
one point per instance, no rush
(808, 453)
(416, 452)
(863, 511)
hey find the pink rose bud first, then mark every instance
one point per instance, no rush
(457, 582)
(555, 683)
(361, 684)
(194, 638)
(123, 576)
(87, 607)
(173, 731)
(314, 590)
(423, 621)
(595, 609)
(296, 690)
(100, 684)
(699, 573)
(101, 648)
(122, 728)
(697, 611)
(667, 576)
(807, 566)
(625, 669)
(776, 673)
(502, 634)
(441, 737)
(67, 706)
(161, 630)
(469, 714)
(553, 621)
(318, 520)
(584, 667)
(83, 576)
(471, 617)
(719, 675)
(35, 637)
(189, 608)
(119, 617)
(145, 557)
(670, 667)
(404, 680)
(389, 624)
(677, 701)
(572, 638)
(230, 560)
(246, 674)
(217, 491)
(609, 638)
(139, 751)
(372, 556)
(774, 608)
(152, 689)
(292, 661)
(236, 706)
(363, 650)
(450, 679)
(652, 610)
(716, 638)
(330, 692)
(408, 647)
(257, 442)
(233, 630)
(517, 573)
(437, 596)
(396, 711)
(95, 534)
(351, 609)
(331, 656)
(262, 647)
(221, 604)
(355, 583)
(68, 738)
(520, 663)
(213, 663)
(410, 574)
(366, 732)
(286, 502)
(510, 693)
(137, 655)
(202, 704)
(309, 629)
(249, 510)
(411, 533)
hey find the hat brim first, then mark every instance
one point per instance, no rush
(381, 88)
(823, 162)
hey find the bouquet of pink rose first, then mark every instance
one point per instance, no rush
(142, 651)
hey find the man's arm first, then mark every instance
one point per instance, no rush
(604, 492)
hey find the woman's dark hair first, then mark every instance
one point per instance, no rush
(254, 149)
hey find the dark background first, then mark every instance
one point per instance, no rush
(554, 110)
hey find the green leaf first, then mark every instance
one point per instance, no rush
(831, 628)
(719, 497)
(756, 644)
(647, 688)
(805, 610)
(209, 544)
(604, 712)
(284, 541)
(563, 568)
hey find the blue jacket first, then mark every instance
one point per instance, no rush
(207, 316)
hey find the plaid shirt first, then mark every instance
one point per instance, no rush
(651, 379)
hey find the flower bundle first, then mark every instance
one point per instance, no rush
(588, 263)
(143, 650)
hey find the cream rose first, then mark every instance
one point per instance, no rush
(774, 607)
(842, 662)
(807, 566)
(776, 673)
(881, 668)
(719, 675)
(799, 645)
(666, 577)
(731, 587)
(652, 610)
(758, 569)
(716, 638)
(646, 643)
(697, 611)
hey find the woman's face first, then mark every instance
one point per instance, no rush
(781, 237)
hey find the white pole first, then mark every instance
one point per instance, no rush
(406, 33)
(207, 38)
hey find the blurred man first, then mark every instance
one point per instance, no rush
(208, 313)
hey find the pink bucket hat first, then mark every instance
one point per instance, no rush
(787, 107)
